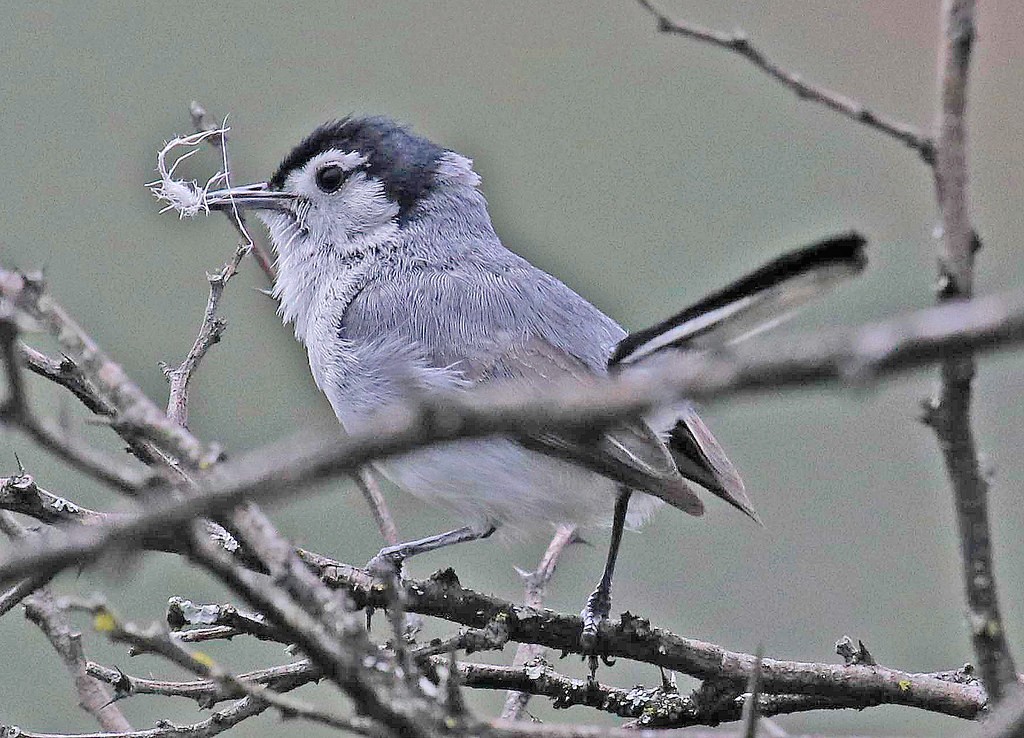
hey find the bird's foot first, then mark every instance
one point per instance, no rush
(594, 613)
(387, 563)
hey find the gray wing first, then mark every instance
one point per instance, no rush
(512, 321)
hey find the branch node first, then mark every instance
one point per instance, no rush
(853, 655)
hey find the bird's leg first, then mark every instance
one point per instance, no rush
(599, 604)
(390, 558)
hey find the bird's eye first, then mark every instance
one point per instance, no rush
(329, 178)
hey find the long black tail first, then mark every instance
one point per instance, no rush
(753, 303)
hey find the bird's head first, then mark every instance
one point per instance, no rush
(349, 182)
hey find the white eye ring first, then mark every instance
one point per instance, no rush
(330, 178)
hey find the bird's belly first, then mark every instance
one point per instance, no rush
(496, 482)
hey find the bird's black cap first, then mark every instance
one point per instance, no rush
(404, 162)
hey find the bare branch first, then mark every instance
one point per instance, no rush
(42, 609)
(949, 414)
(653, 707)
(93, 697)
(229, 619)
(217, 723)
(14, 595)
(650, 707)
(843, 356)
(157, 640)
(751, 707)
(69, 375)
(370, 488)
(443, 597)
(738, 43)
(321, 624)
(207, 692)
(135, 410)
(210, 331)
(533, 596)
(15, 411)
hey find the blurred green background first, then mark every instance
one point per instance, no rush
(643, 170)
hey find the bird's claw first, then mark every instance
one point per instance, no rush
(386, 564)
(594, 613)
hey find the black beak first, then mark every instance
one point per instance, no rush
(249, 197)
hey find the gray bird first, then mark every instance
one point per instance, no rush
(394, 280)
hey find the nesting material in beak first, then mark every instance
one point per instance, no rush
(188, 198)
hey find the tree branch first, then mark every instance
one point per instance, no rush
(842, 356)
(442, 596)
(210, 331)
(15, 411)
(533, 596)
(135, 410)
(370, 488)
(41, 609)
(93, 697)
(738, 43)
(949, 414)
(157, 640)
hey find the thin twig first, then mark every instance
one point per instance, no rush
(41, 608)
(202, 122)
(210, 331)
(15, 410)
(16, 594)
(157, 640)
(207, 692)
(533, 596)
(135, 410)
(949, 414)
(217, 723)
(751, 701)
(67, 374)
(370, 488)
(93, 696)
(738, 43)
